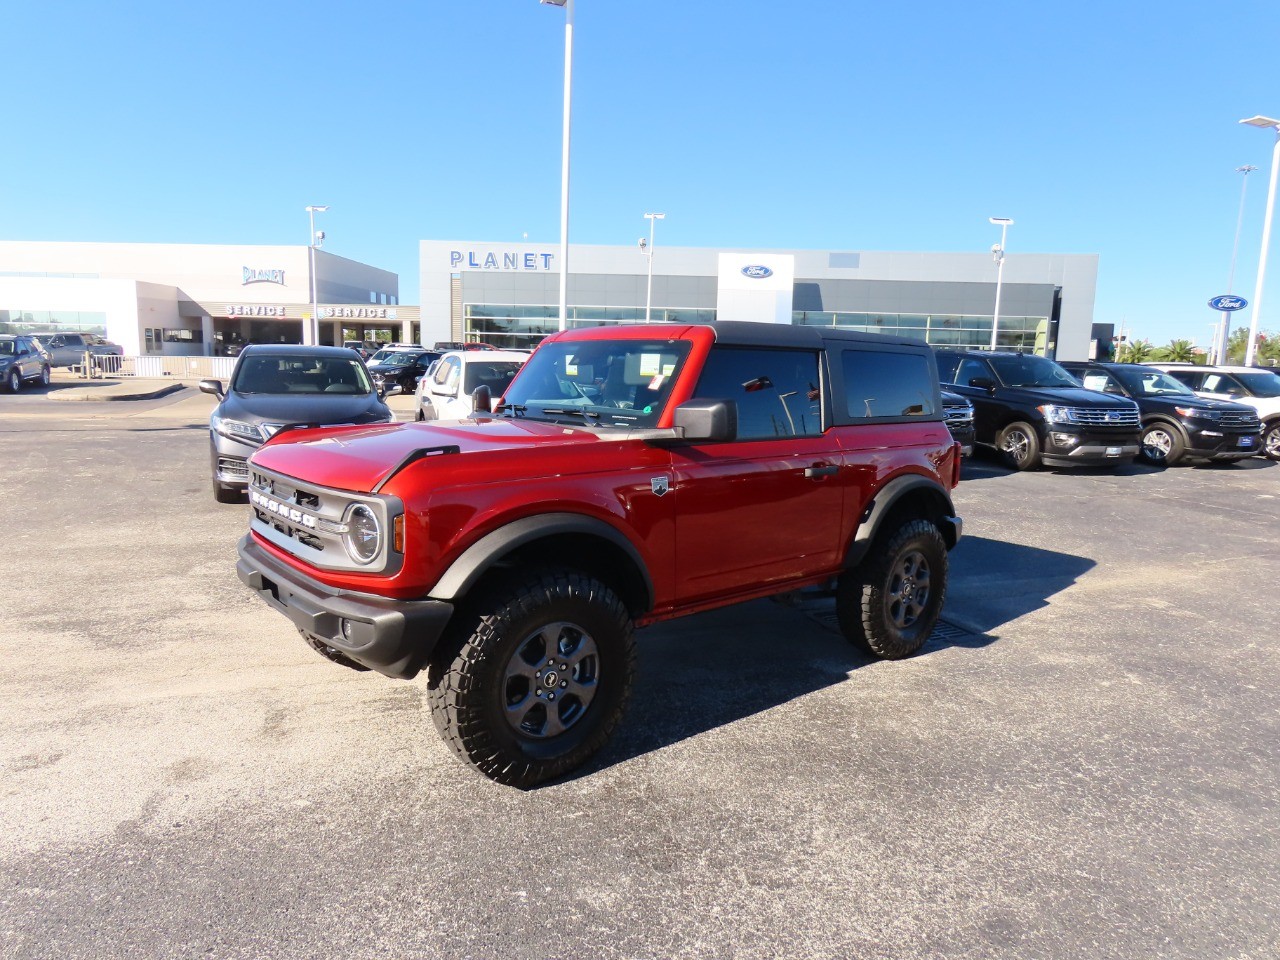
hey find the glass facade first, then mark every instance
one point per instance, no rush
(1029, 334)
(51, 321)
(523, 326)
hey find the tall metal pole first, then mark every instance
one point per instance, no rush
(1251, 348)
(648, 296)
(998, 250)
(1224, 331)
(564, 165)
(311, 331)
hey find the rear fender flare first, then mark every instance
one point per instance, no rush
(937, 508)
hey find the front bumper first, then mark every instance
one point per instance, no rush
(1066, 446)
(394, 637)
(1222, 444)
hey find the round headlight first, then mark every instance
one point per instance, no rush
(363, 538)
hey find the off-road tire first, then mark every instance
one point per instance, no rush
(1162, 445)
(1271, 441)
(484, 686)
(1020, 446)
(879, 604)
(14, 380)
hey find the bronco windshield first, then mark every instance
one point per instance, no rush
(622, 383)
(1027, 370)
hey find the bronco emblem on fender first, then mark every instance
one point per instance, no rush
(659, 486)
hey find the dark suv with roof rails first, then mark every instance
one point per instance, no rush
(1176, 424)
(1034, 412)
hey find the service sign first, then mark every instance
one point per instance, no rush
(1227, 303)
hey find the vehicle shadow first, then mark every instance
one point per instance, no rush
(702, 672)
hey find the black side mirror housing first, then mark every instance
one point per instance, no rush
(212, 386)
(982, 383)
(482, 399)
(706, 421)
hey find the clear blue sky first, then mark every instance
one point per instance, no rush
(1105, 128)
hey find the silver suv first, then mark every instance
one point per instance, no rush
(22, 359)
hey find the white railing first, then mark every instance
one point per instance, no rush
(158, 366)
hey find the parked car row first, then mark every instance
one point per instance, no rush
(1036, 411)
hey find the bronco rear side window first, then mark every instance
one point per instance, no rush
(886, 384)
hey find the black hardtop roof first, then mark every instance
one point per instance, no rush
(749, 333)
(983, 352)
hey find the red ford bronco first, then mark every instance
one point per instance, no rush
(629, 474)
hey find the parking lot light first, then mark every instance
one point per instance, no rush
(997, 250)
(1272, 124)
(564, 157)
(311, 333)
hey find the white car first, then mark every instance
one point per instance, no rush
(445, 392)
(1255, 387)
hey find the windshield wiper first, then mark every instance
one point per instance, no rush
(571, 412)
(517, 409)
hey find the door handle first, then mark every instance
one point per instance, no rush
(816, 471)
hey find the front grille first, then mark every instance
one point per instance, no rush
(957, 416)
(1240, 420)
(1106, 417)
(308, 520)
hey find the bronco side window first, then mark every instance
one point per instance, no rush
(777, 391)
(882, 383)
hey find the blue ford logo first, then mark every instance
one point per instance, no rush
(1228, 303)
(756, 271)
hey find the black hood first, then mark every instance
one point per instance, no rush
(322, 408)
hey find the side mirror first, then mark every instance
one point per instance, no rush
(212, 386)
(982, 383)
(706, 421)
(392, 390)
(482, 399)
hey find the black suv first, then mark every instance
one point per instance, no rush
(1033, 411)
(957, 412)
(403, 368)
(1176, 424)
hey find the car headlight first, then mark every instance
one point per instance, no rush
(1056, 413)
(363, 536)
(1199, 412)
(237, 429)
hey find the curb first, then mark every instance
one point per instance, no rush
(98, 393)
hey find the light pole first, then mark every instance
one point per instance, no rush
(1264, 122)
(312, 332)
(564, 157)
(1224, 332)
(997, 251)
(648, 295)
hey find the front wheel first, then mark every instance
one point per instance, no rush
(1271, 441)
(45, 376)
(890, 604)
(14, 379)
(1020, 446)
(1162, 445)
(536, 680)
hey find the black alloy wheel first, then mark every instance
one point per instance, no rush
(890, 604)
(535, 680)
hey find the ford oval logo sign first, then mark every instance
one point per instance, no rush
(1227, 303)
(756, 271)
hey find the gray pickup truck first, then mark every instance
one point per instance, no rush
(68, 349)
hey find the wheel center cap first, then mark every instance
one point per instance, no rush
(550, 678)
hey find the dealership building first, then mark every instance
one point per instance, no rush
(508, 294)
(206, 299)
(193, 299)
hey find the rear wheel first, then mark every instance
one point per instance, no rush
(1020, 446)
(538, 679)
(890, 604)
(1162, 445)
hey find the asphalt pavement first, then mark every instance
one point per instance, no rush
(1083, 762)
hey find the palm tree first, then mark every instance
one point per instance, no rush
(1180, 351)
(1135, 351)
